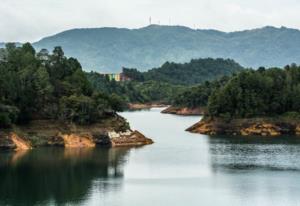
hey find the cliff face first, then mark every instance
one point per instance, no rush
(112, 132)
(246, 127)
(183, 111)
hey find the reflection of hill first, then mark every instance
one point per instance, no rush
(57, 175)
(253, 153)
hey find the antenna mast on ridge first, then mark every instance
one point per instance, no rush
(150, 20)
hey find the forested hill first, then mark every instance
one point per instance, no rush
(110, 49)
(194, 72)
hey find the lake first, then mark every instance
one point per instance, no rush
(180, 168)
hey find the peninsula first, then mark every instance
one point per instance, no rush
(264, 102)
(47, 100)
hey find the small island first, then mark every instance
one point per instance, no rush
(263, 102)
(47, 100)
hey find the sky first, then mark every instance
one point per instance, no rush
(31, 20)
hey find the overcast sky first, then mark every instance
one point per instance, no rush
(30, 20)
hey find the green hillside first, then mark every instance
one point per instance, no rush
(110, 49)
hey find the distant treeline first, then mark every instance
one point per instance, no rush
(165, 84)
(195, 72)
(136, 91)
(250, 93)
(48, 86)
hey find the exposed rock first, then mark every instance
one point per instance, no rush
(245, 127)
(203, 128)
(113, 132)
(77, 141)
(12, 141)
(130, 138)
(20, 143)
(264, 129)
(183, 111)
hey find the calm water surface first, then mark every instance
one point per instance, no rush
(179, 169)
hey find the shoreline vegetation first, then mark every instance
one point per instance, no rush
(263, 102)
(47, 100)
(44, 87)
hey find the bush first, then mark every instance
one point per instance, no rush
(78, 109)
(8, 115)
(117, 103)
(5, 121)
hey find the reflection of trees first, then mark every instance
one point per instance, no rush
(56, 174)
(248, 153)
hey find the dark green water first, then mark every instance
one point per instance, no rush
(179, 169)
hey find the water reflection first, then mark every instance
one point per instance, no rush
(231, 153)
(56, 175)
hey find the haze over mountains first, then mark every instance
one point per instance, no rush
(110, 49)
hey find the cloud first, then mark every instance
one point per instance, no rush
(30, 20)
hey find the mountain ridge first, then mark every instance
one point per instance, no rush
(108, 49)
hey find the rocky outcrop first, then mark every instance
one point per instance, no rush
(246, 127)
(129, 138)
(20, 144)
(183, 111)
(113, 132)
(263, 129)
(77, 141)
(11, 141)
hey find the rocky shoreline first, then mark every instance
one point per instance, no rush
(246, 127)
(112, 132)
(183, 111)
(138, 106)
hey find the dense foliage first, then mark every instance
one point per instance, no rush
(197, 96)
(135, 91)
(47, 86)
(258, 93)
(195, 72)
(168, 83)
(109, 49)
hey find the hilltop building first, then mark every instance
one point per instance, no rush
(120, 77)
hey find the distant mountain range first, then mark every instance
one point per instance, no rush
(110, 49)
